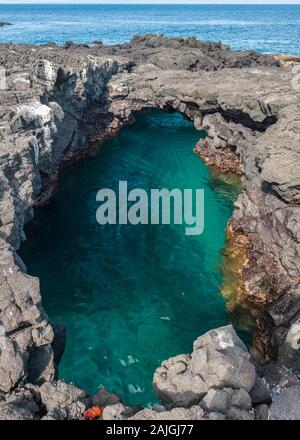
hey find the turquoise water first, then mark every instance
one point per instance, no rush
(266, 28)
(130, 296)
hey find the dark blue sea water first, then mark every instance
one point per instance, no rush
(266, 28)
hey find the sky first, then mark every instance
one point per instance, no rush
(155, 1)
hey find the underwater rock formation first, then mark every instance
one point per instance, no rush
(59, 100)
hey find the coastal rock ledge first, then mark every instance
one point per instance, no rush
(57, 104)
(217, 381)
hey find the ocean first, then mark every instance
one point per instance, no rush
(265, 28)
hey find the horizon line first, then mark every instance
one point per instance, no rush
(149, 3)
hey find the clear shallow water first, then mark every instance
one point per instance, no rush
(266, 28)
(130, 296)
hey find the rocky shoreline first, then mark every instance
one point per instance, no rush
(60, 100)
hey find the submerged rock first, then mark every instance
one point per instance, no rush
(279, 377)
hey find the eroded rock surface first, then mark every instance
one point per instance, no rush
(62, 400)
(218, 376)
(219, 360)
(229, 392)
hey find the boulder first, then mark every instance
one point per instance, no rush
(116, 412)
(216, 416)
(224, 400)
(58, 344)
(262, 412)
(220, 360)
(12, 368)
(104, 398)
(67, 97)
(259, 393)
(62, 399)
(20, 301)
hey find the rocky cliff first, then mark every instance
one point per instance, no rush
(59, 100)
